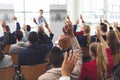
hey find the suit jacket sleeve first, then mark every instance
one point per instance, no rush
(5, 41)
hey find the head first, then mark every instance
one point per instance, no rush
(64, 43)
(7, 28)
(33, 37)
(27, 28)
(19, 35)
(17, 26)
(97, 51)
(103, 27)
(41, 12)
(55, 57)
(118, 29)
(113, 42)
(67, 28)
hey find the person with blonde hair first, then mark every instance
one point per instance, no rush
(99, 68)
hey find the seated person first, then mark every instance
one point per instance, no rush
(34, 53)
(20, 45)
(12, 39)
(5, 41)
(103, 28)
(44, 38)
(5, 60)
(85, 39)
(56, 58)
(100, 67)
(27, 29)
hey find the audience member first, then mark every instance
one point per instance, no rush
(17, 24)
(5, 60)
(85, 39)
(34, 53)
(27, 29)
(4, 42)
(56, 60)
(101, 65)
(20, 45)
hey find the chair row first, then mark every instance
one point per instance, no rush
(28, 72)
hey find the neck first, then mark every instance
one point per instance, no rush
(20, 40)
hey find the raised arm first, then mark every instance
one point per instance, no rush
(76, 50)
(68, 65)
(49, 30)
(6, 36)
(116, 31)
(101, 38)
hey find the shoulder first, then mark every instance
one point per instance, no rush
(7, 57)
(48, 74)
(89, 65)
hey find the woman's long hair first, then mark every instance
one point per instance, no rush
(99, 53)
(113, 42)
(87, 32)
(114, 45)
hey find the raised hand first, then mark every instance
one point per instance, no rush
(34, 20)
(81, 17)
(68, 63)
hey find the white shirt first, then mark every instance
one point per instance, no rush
(64, 78)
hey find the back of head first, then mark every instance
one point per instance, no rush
(28, 27)
(98, 51)
(113, 42)
(56, 57)
(18, 35)
(64, 43)
(33, 37)
(103, 27)
(7, 28)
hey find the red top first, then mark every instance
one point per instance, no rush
(80, 33)
(89, 69)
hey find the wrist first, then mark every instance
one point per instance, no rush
(65, 74)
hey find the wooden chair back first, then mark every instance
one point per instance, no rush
(7, 74)
(6, 49)
(14, 57)
(33, 72)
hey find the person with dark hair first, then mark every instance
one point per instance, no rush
(103, 28)
(5, 41)
(12, 39)
(40, 19)
(44, 38)
(34, 53)
(27, 29)
(20, 45)
(5, 60)
(17, 24)
(56, 58)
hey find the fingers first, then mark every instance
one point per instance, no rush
(72, 58)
